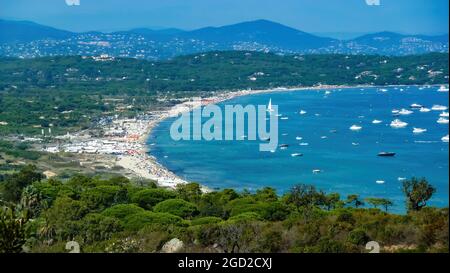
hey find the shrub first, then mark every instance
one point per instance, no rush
(358, 237)
(139, 220)
(97, 227)
(206, 221)
(246, 216)
(104, 196)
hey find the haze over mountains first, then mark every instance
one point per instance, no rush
(27, 39)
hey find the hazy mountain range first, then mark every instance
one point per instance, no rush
(28, 39)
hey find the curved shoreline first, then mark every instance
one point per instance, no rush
(170, 179)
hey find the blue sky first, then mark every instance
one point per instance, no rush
(317, 16)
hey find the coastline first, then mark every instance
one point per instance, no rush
(147, 166)
(143, 165)
(123, 142)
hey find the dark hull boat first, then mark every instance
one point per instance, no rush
(386, 154)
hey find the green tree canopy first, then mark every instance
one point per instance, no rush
(147, 198)
(418, 192)
(178, 207)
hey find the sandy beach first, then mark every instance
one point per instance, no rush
(146, 166)
(134, 156)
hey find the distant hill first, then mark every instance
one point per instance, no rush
(25, 31)
(263, 32)
(408, 44)
(259, 35)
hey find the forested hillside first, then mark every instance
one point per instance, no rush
(68, 92)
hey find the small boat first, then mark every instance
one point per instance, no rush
(283, 145)
(333, 131)
(442, 121)
(284, 118)
(327, 92)
(386, 154)
(380, 181)
(425, 110)
(401, 178)
(444, 115)
(396, 123)
(376, 121)
(355, 127)
(304, 144)
(323, 137)
(419, 130)
(443, 88)
(383, 90)
(415, 106)
(316, 171)
(269, 107)
(445, 139)
(355, 143)
(439, 108)
(405, 112)
(395, 111)
(296, 154)
(298, 138)
(302, 112)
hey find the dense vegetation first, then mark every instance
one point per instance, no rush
(70, 92)
(117, 215)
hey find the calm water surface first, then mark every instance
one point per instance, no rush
(348, 159)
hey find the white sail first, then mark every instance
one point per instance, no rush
(269, 107)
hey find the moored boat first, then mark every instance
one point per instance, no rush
(445, 139)
(443, 88)
(442, 121)
(419, 130)
(386, 154)
(355, 127)
(437, 107)
(398, 124)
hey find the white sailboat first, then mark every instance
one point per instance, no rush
(269, 107)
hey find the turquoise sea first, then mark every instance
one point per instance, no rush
(347, 159)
